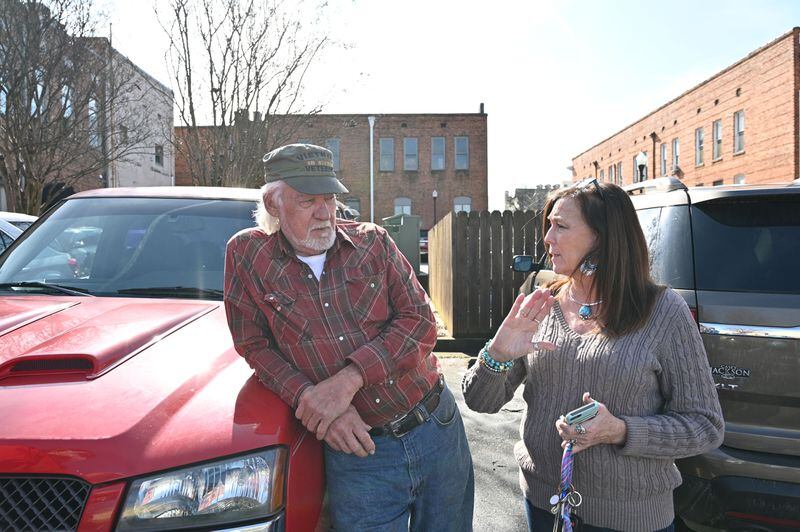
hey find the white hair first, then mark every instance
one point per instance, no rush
(268, 223)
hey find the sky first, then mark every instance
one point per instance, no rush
(555, 77)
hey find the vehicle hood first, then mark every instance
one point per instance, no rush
(110, 388)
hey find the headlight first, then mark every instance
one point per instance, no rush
(237, 489)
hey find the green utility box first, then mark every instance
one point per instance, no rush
(404, 230)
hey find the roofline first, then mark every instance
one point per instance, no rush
(354, 115)
(752, 54)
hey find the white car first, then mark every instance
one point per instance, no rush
(8, 233)
(23, 221)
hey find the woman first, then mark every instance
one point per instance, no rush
(604, 332)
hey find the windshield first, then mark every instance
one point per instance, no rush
(154, 247)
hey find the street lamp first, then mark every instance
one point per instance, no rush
(434, 195)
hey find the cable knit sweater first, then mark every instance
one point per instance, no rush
(656, 379)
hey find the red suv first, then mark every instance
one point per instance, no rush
(123, 403)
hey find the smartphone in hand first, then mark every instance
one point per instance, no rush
(582, 413)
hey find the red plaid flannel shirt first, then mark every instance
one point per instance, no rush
(368, 309)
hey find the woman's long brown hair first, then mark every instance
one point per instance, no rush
(622, 280)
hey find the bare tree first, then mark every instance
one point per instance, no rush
(62, 94)
(229, 58)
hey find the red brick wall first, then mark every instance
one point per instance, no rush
(353, 134)
(768, 82)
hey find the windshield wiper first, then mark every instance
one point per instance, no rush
(52, 288)
(174, 291)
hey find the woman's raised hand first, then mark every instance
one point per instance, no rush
(515, 337)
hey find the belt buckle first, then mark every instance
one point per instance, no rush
(394, 427)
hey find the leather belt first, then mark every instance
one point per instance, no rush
(417, 416)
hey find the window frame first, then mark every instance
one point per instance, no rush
(699, 146)
(335, 154)
(464, 154)
(410, 158)
(716, 139)
(459, 206)
(676, 153)
(738, 134)
(388, 157)
(435, 156)
(400, 202)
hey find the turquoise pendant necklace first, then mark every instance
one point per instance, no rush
(585, 310)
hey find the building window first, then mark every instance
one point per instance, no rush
(159, 158)
(698, 146)
(66, 101)
(611, 174)
(38, 95)
(410, 154)
(602, 175)
(437, 153)
(402, 206)
(663, 158)
(462, 153)
(718, 183)
(675, 155)
(635, 173)
(3, 100)
(462, 204)
(619, 173)
(94, 123)
(738, 179)
(716, 137)
(333, 145)
(387, 155)
(738, 132)
(353, 203)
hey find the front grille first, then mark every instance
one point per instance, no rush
(52, 504)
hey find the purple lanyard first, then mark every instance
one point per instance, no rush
(566, 486)
(567, 497)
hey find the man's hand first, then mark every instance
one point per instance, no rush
(321, 404)
(349, 434)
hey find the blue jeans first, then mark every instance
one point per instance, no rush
(542, 521)
(422, 481)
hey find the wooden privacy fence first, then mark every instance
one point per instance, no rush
(470, 255)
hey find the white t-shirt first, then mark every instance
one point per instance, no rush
(315, 262)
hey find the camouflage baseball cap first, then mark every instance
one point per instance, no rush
(304, 167)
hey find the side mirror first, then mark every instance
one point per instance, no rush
(525, 264)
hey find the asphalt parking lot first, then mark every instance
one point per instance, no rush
(498, 499)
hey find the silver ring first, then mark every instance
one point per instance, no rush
(538, 322)
(580, 429)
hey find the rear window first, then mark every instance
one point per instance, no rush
(669, 245)
(748, 244)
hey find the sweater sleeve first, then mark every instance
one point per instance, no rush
(487, 391)
(691, 420)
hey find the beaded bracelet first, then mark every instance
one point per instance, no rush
(492, 364)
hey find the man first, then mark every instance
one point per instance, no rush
(331, 317)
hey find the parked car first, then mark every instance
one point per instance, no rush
(124, 404)
(8, 233)
(423, 245)
(732, 253)
(23, 221)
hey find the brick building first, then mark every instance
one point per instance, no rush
(413, 156)
(701, 137)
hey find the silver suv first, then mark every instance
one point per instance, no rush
(733, 254)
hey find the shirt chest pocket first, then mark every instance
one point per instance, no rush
(287, 324)
(369, 296)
